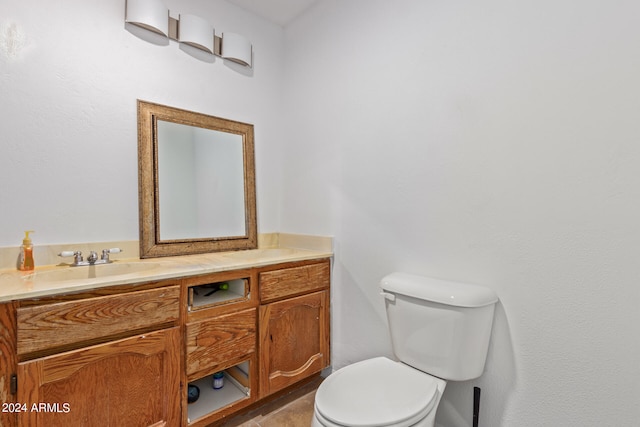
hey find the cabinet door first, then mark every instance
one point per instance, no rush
(130, 382)
(294, 338)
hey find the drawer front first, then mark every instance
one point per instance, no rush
(216, 341)
(61, 325)
(288, 282)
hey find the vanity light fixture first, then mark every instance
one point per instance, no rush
(236, 48)
(151, 15)
(196, 32)
(191, 30)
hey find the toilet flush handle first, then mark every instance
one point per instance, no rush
(388, 296)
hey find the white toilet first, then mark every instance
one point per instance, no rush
(439, 330)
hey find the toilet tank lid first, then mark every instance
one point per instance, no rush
(437, 290)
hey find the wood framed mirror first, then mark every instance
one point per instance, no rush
(196, 182)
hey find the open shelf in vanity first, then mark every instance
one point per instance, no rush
(218, 292)
(236, 388)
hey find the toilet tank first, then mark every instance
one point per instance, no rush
(438, 326)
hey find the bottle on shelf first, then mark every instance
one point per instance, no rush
(218, 380)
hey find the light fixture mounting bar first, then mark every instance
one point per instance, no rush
(173, 29)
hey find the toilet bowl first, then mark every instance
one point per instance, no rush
(375, 393)
(439, 331)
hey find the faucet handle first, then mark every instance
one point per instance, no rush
(106, 252)
(76, 254)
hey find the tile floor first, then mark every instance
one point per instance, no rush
(293, 410)
(294, 414)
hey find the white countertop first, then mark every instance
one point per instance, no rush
(52, 280)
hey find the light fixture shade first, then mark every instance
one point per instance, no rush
(196, 32)
(152, 15)
(236, 48)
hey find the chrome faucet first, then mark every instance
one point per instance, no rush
(92, 259)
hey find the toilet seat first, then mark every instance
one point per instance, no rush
(374, 393)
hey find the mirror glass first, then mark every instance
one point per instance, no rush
(200, 177)
(197, 189)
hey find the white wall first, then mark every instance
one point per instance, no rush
(70, 75)
(493, 142)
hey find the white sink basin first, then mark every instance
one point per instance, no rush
(92, 271)
(260, 253)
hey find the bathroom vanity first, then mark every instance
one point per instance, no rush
(123, 343)
(121, 349)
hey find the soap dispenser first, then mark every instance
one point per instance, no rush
(26, 253)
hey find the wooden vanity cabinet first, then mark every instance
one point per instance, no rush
(294, 324)
(124, 355)
(280, 330)
(110, 358)
(221, 336)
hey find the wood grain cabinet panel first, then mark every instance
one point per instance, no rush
(8, 361)
(215, 341)
(70, 324)
(294, 339)
(278, 284)
(130, 382)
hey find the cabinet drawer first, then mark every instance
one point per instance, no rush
(60, 325)
(216, 341)
(288, 282)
